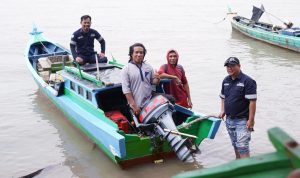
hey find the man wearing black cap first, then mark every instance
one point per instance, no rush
(238, 103)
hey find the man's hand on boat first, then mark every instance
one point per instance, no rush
(101, 55)
(189, 101)
(79, 60)
(178, 81)
(136, 109)
(156, 78)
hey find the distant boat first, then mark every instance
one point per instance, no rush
(278, 164)
(288, 37)
(91, 97)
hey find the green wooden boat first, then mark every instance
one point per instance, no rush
(288, 38)
(91, 97)
(274, 165)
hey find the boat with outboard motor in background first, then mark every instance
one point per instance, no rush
(91, 97)
(288, 37)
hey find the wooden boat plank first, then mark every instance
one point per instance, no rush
(283, 142)
(242, 167)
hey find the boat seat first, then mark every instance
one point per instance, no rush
(93, 67)
(57, 62)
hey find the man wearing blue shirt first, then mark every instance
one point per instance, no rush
(238, 103)
(82, 43)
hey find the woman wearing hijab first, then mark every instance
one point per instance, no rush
(178, 87)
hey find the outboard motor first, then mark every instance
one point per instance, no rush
(159, 112)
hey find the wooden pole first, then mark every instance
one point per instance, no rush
(180, 133)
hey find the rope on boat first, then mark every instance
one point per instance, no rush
(268, 13)
(37, 33)
(45, 47)
(269, 19)
(229, 12)
(180, 133)
(199, 118)
(275, 17)
(221, 20)
(225, 17)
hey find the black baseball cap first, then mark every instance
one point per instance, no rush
(232, 60)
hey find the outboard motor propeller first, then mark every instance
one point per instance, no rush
(159, 112)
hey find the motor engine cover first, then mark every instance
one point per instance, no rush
(156, 106)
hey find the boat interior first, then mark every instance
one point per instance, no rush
(44, 49)
(48, 58)
(253, 24)
(112, 100)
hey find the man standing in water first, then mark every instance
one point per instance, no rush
(238, 103)
(82, 43)
(137, 78)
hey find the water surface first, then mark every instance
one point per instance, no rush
(34, 134)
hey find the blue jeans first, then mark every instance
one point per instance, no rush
(239, 134)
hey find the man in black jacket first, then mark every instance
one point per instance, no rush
(238, 103)
(82, 43)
